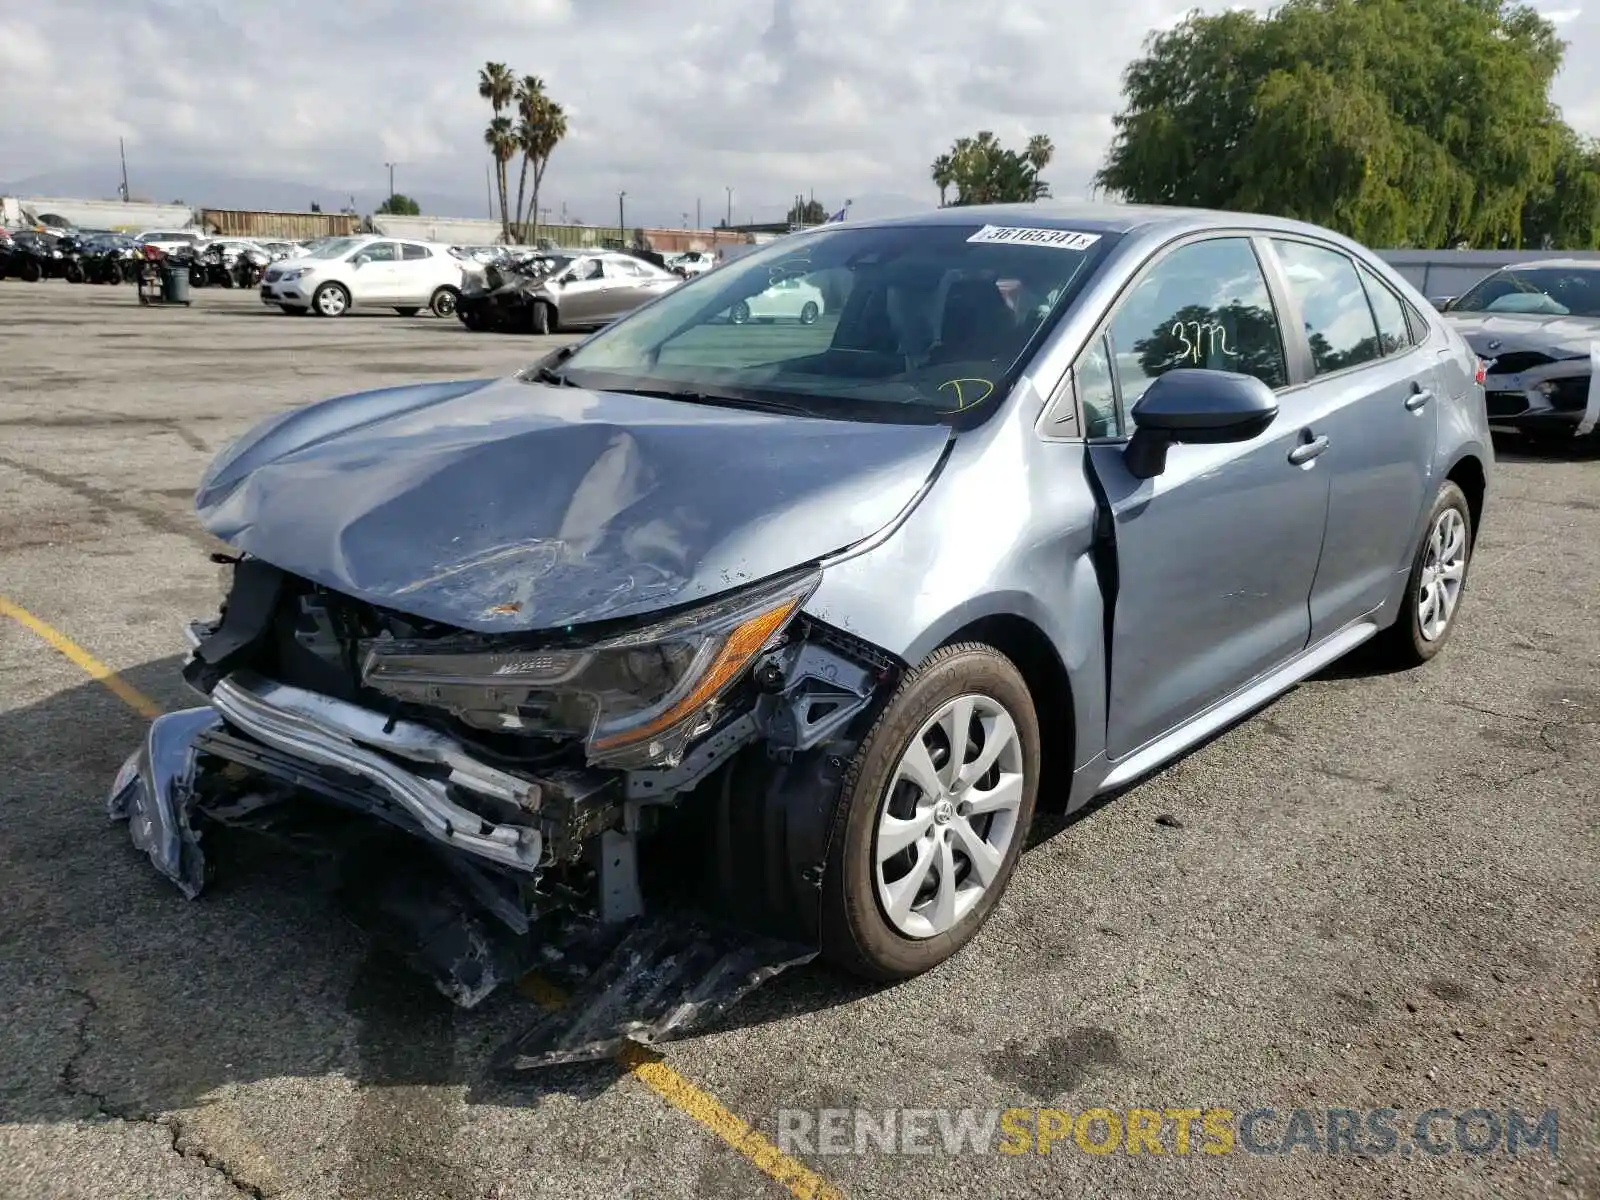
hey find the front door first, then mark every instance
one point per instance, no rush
(373, 278)
(1216, 555)
(1372, 395)
(583, 298)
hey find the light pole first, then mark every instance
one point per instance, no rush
(622, 223)
(391, 166)
(697, 223)
(728, 224)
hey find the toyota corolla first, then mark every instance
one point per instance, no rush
(812, 614)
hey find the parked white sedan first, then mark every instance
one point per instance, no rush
(367, 272)
(788, 299)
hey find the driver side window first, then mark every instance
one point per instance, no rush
(1203, 306)
(377, 252)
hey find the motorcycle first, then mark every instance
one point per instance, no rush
(221, 265)
(33, 256)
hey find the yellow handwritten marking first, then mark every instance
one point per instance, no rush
(67, 648)
(963, 400)
(650, 1069)
(642, 1063)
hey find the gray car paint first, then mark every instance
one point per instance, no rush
(1221, 600)
(510, 505)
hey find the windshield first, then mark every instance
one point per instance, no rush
(926, 320)
(1541, 291)
(334, 248)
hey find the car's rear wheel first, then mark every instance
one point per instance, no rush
(330, 300)
(809, 314)
(442, 303)
(739, 313)
(542, 318)
(932, 816)
(1435, 586)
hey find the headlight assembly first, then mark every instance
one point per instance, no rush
(637, 699)
(291, 276)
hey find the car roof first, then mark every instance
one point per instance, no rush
(1564, 264)
(1088, 217)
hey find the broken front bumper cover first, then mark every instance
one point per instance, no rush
(646, 980)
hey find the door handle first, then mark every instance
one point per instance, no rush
(1307, 451)
(1418, 399)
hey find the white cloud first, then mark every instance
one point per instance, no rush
(672, 101)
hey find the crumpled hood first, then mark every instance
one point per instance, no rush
(1559, 337)
(505, 505)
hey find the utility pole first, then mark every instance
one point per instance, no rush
(122, 151)
(729, 222)
(391, 185)
(697, 223)
(488, 188)
(622, 223)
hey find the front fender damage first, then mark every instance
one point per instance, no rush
(655, 899)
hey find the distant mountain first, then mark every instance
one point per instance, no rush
(206, 189)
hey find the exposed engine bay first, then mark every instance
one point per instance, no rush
(639, 808)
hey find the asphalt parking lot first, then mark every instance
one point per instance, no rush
(1382, 891)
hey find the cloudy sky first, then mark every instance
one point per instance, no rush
(671, 100)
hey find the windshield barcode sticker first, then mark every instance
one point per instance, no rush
(1056, 239)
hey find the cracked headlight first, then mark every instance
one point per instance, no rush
(637, 699)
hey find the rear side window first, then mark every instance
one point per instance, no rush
(411, 253)
(1394, 335)
(1333, 305)
(1205, 305)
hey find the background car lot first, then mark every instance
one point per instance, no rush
(1382, 890)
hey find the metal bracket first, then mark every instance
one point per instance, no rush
(620, 898)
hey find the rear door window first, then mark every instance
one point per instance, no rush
(1338, 322)
(1394, 335)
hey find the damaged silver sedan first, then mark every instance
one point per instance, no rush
(704, 646)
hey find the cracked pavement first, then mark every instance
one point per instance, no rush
(1381, 890)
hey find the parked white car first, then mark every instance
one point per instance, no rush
(170, 240)
(364, 273)
(788, 299)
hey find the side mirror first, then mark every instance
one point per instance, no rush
(1442, 303)
(1197, 407)
(362, 260)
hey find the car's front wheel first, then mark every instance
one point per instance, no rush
(1436, 583)
(933, 815)
(330, 300)
(443, 302)
(739, 313)
(809, 314)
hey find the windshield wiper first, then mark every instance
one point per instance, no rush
(723, 399)
(545, 372)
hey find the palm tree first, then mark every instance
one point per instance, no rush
(944, 175)
(1038, 155)
(496, 85)
(530, 99)
(501, 139)
(542, 136)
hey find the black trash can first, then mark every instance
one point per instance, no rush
(175, 285)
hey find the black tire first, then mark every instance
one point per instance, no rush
(74, 273)
(322, 300)
(855, 933)
(1403, 644)
(810, 313)
(443, 302)
(408, 311)
(542, 318)
(472, 320)
(30, 271)
(739, 313)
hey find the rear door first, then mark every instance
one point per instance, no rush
(416, 275)
(1372, 394)
(1216, 555)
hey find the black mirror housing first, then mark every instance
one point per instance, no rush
(1197, 407)
(1442, 303)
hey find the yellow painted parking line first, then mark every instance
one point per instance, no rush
(69, 649)
(644, 1064)
(650, 1069)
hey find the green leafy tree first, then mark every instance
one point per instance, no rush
(983, 171)
(1398, 122)
(401, 205)
(807, 212)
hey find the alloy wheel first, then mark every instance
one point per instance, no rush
(949, 816)
(1444, 571)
